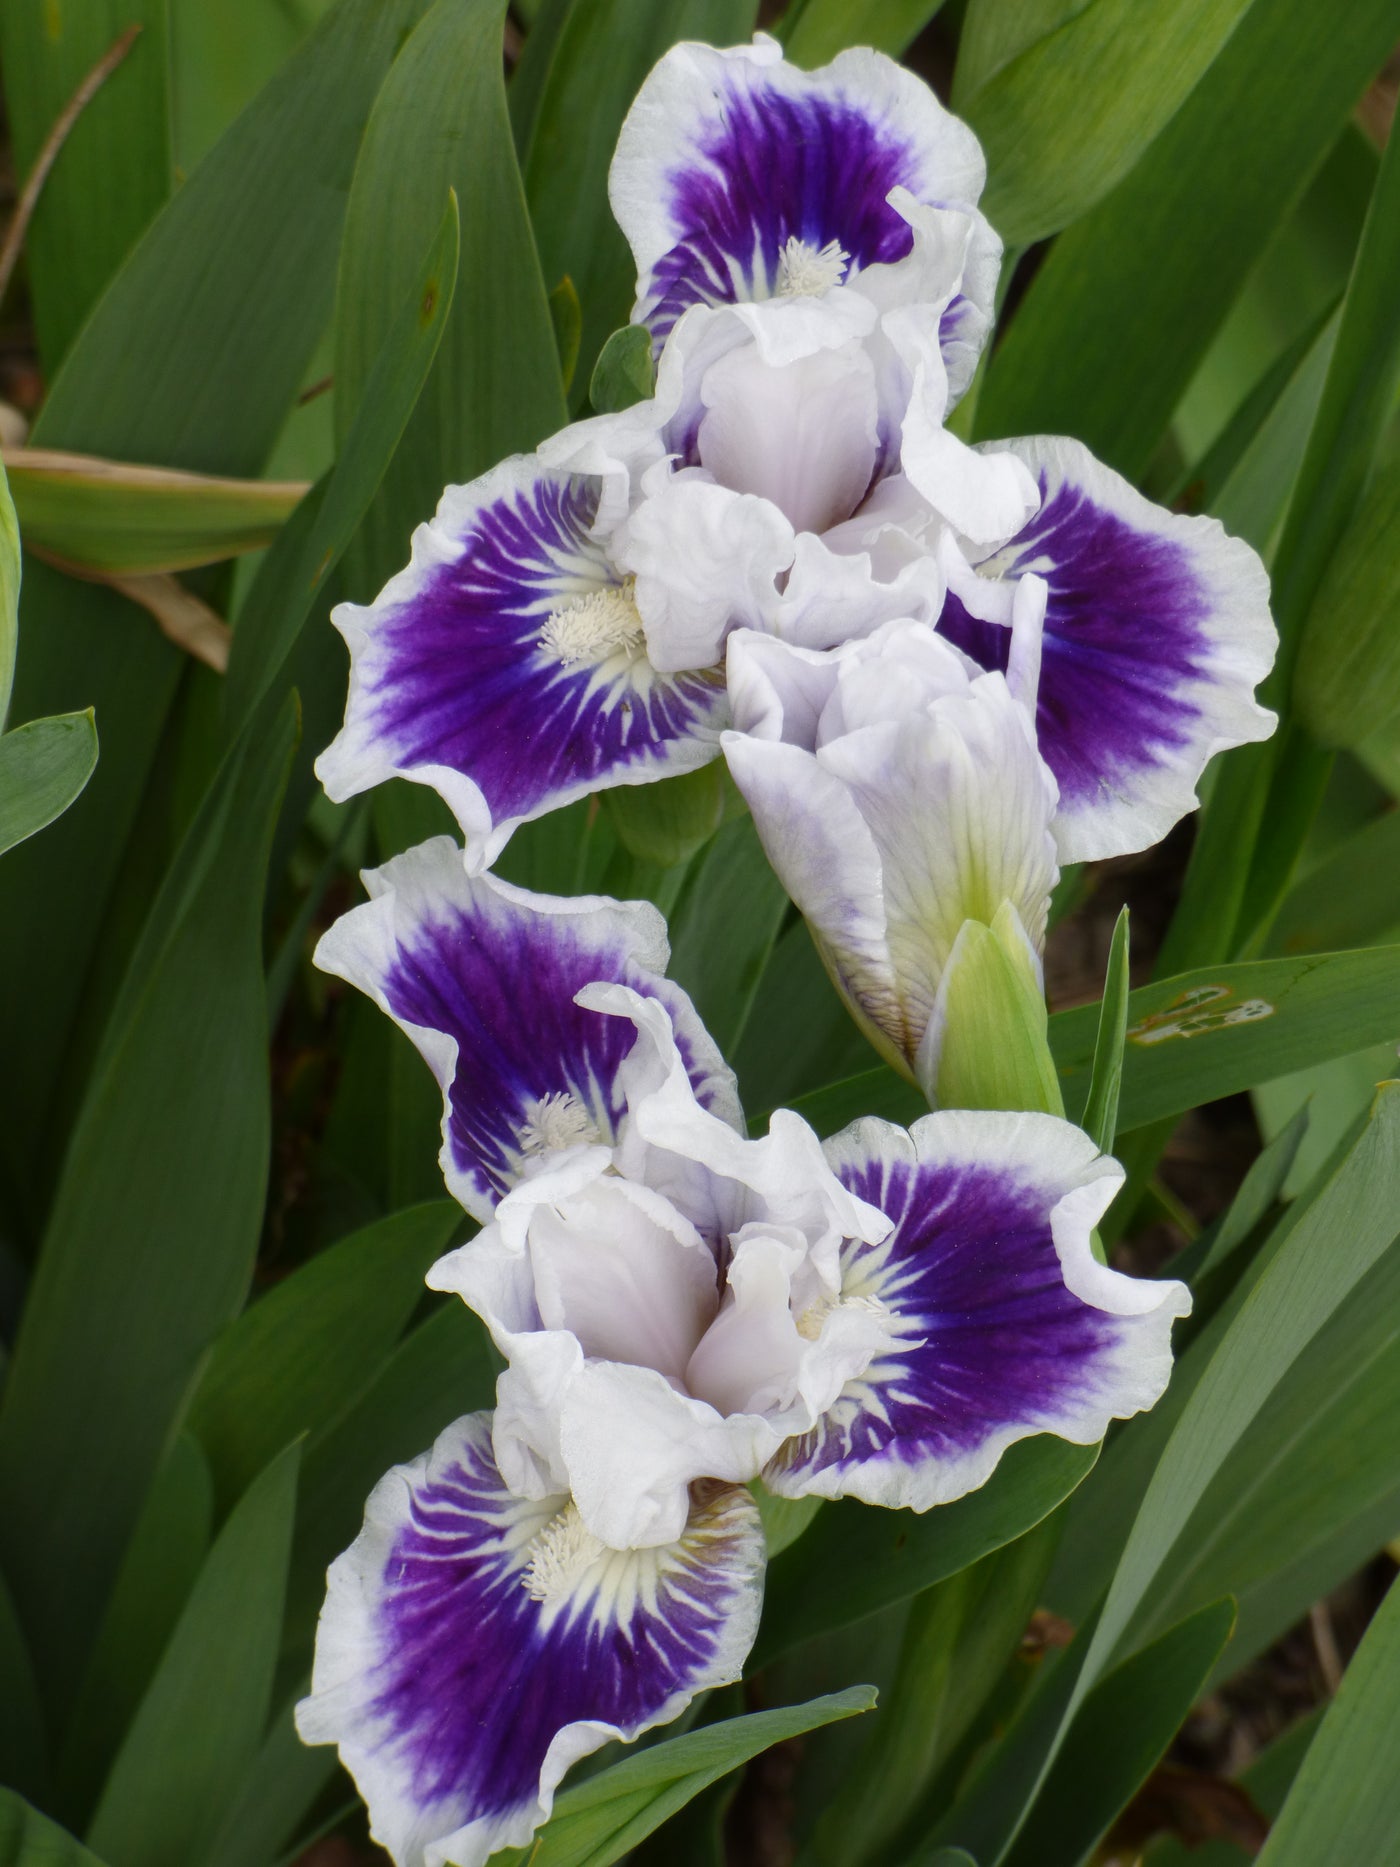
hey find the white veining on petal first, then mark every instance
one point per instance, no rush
(557, 1121)
(806, 271)
(604, 623)
(561, 1555)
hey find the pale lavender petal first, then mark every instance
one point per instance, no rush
(921, 804)
(482, 976)
(1157, 631)
(475, 1645)
(506, 666)
(1000, 1321)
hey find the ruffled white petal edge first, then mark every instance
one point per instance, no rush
(1044, 1151)
(349, 1643)
(660, 132)
(429, 883)
(1242, 644)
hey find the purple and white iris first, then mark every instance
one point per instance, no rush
(819, 283)
(740, 178)
(683, 1310)
(935, 671)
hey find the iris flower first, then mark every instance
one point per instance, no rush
(818, 280)
(682, 1310)
(560, 626)
(899, 794)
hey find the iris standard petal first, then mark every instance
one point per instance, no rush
(739, 176)
(914, 800)
(959, 807)
(506, 666)
(823, 853)
(482, 977)
(1000, 1321)
(474, 1645)
(1157, 632)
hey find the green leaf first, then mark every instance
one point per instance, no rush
(991, 36)
(198, 350)
(527, 81)
(1357, 397)
(1350, 898)
(1068, 115)
(107, 515)
(191, 359)
(222, 53)
(1190, 1039)
(9, 594)
(1330, 1248)
(440, 1372)
(190, 1746)
(784, 1518)
(153, 1231)
(29, 1839)
(298, 1358)
(1274, 789)
(600, 1820)
(999, 1789)
(1316, 1459)
(666, 822)
(1101, 1513)
(22, 1749)
(1262, 1186)
(567, 315)
(625, 372)
(1274, 1603)
(1211, 1033)
(1253, 499)
(158, 1571)
(1333, 1095)
(799, 1032)
(1100, 1118)
(1202, 485)
(1345, 1802)
(290, 582)
(855, 1560)
(494, 388)
(279, 1790)
(722, 935)
(1347, 684)
(1210, 190)
(113, 173)
(604, 50)
(822, 28)
(1121, 1732)
(43, 767)
(958, 1639)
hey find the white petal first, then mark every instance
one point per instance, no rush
(829, 862)
(633, 1445)
(804, 436)
(958, 806)
(706, 561)
(621, 1270)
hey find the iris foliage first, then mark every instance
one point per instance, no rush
(298, 266)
